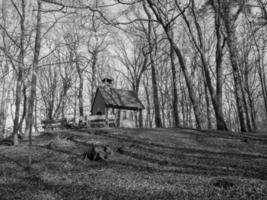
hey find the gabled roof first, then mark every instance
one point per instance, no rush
(118, 98)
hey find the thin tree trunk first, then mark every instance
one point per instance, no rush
(4, 98)
(231, 42)
(52, 94)
(64, 98)
(35, 116)
(208, 106)
(248, 122)
(158, 121)
(24, 91)
(250, 102)
(174, 91)
(30, 119)
(163, 110)
(261, 74)
(148, 114)
(3, 105)
(80, 91)
(66, 81)
(66, 87)
(190, 121)
(183, 107)
(93, 84)
(20, 74)
(148, 122)
(75, 103)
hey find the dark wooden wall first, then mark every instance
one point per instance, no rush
(99, 104)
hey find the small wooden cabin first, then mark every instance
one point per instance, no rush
(108, 99)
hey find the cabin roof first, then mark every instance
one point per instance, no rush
(119, 98)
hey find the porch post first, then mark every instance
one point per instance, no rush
(106, 116)
(136, 119)
(140, 119)
(118, 117)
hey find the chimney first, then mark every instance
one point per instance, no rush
(107, 82)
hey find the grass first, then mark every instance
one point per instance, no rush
(146, 164)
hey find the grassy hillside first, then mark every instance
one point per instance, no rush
(146, 164)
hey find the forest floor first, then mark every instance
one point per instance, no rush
(146, 164)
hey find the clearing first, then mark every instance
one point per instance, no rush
(146, 164)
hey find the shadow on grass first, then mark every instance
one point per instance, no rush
(191, 160)
(128, 139)
(254, 136)
(196, 167)
(22, 161)
(207, 159)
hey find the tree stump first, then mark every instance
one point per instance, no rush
(97, 152)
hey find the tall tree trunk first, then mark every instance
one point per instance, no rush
(148, 112)
(237, 82)
(80, 92)
(261, 73)
(24, 91)
(208, 106)
(4, 70)
(2, 109)
(252, 112)
(174, 91)
(66, 87)
(221, 125)
(66, 82)
(231, 39)
(35, 116)
(93, 84)
(52, 94)
(30, 119)
(20, 74)
(158, 121)
(248, 93)
(190, 121)
(163, 108)
(183, 104)
(248, 122)
(75, 103)
(64, 99)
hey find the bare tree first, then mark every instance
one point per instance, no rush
(155, 7)
(19, 71)
(198, 42)
(229, 17)
(31, 101)
(150, 39)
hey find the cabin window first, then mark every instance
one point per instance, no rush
(131, 116)
(124, 115)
